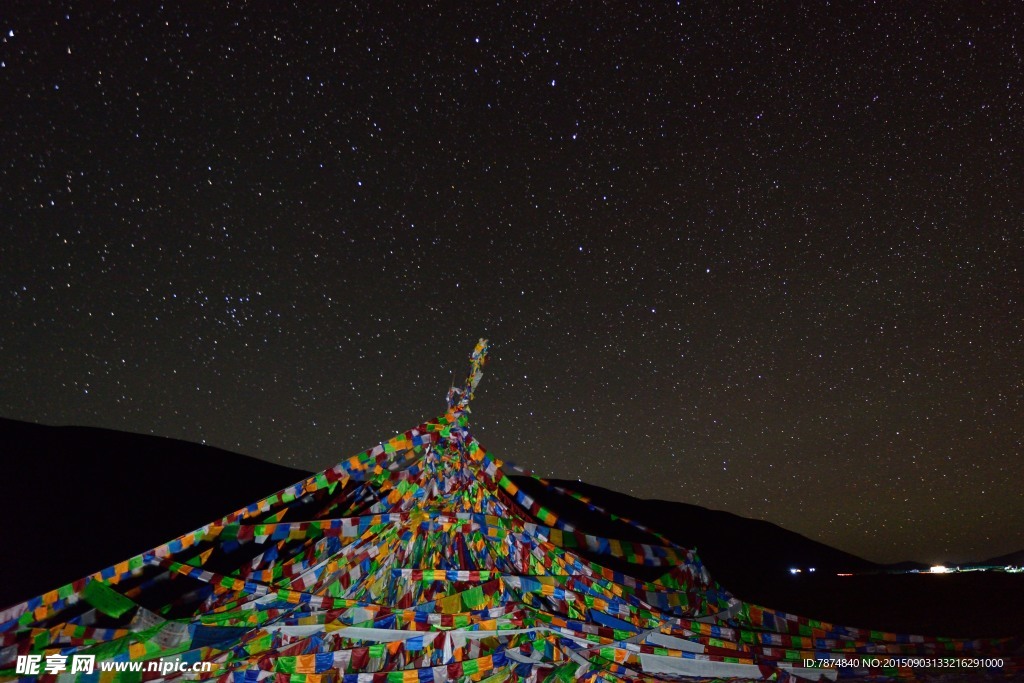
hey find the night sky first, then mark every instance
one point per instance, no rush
(761, 258)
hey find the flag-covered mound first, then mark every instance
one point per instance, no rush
(420, 561)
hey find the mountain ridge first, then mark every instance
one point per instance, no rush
(88, 497)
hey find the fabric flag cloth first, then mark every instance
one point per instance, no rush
(420, 561)
(106, 599)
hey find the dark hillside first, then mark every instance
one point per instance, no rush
(80, 499)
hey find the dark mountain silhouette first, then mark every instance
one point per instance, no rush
(82, 499)
(723, 540)
(1010, 559)
(906, 566)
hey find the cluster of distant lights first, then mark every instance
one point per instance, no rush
(935, 569)
(943, 569)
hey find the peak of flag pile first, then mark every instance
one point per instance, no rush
(420, 561)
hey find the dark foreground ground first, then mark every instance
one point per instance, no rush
(970, 605)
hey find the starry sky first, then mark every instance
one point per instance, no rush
(760, 257)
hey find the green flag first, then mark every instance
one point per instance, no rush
(106, 599)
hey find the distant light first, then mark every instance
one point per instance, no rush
(811, 569)
(844, 574)
(794, 570)
(939, 569)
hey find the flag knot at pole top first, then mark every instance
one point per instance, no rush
(459, 397)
